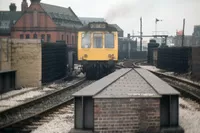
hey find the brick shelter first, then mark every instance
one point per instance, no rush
(128, 101)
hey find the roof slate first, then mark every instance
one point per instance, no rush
(159, 85)
(99, 85)
(62, 16)
(130, 85)
(7, 20)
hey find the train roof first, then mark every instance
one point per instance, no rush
(98, 26)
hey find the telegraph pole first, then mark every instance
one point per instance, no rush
(183, 34)
(141, 34)
(129, 46)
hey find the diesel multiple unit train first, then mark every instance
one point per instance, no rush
(97, 49)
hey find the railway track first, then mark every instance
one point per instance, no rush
(187, 88)
(128, 63)
(18, 118)
(30, 124)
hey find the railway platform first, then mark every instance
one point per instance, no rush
(128, 100)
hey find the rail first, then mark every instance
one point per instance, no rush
(37, 106)
(187, 88)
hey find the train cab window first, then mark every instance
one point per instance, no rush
(98, 40)
(109, 41)
(86, 40)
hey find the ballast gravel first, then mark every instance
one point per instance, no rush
(189, 115)
(14, 101)
(61, 123)
(22, 98)
(189, 119)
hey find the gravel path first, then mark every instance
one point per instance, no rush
(189, 115)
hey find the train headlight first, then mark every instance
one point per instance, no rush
(111, 56)
(85, 56)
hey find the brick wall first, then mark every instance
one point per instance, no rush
(54, 61)
(25, 58)
(127, 115)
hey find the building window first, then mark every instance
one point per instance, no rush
(43, 37)
(27, 36)
(62, 37)
(21, 36)
(72, 39)
(35, 36)
(48, 37)
(197, 42)
(67, 39)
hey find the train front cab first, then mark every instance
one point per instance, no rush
(97, 52)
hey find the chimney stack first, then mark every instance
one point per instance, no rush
(24, 6)
(13, 7)
(35, 1)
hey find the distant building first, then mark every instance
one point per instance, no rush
(178, 40)
(42, 21)
(87, 20)
(196, 36)
(189, 40)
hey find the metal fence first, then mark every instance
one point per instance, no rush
(54, 61)
(176, 59)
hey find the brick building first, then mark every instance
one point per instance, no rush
(43, 21)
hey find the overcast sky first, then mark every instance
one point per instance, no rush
(126, 13)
